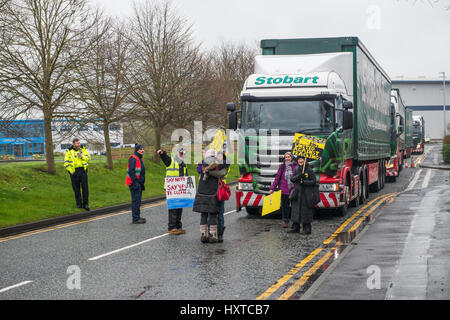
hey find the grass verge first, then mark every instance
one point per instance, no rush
(46, 196)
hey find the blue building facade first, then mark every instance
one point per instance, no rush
(22, 138)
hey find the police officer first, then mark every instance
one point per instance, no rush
(175, 167)
(76, 163)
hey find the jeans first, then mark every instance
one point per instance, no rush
(175, 219)
(80, 179)
(212, 217)
(220, 217)
(136, 197)
(285, 207)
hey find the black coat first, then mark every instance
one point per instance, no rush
(303, 195)
(208, 185)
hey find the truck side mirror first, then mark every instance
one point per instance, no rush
(231, 106)
(232, 121)
(347, 105)
(348, 120)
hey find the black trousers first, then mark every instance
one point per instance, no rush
(175, 219)
(80, 179)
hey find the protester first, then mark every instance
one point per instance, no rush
(303, 197)
(136, 181)
(222, 172)
(206, 197)
(284, 183)
(76, 163)
(175, 167)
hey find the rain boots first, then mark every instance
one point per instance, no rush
(204, 232)
(213, 234)
(220, 234)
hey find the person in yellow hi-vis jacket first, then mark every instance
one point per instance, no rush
(76, 163)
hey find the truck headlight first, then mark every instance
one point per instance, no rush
(245, 186)
(329, 187)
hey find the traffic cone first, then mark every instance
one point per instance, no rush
(413, 165)
(406, 164)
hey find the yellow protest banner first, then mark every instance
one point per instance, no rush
(218, 141)
(306, 146)
(271, 203)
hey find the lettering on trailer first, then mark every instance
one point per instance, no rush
(306, 146)
(286, 80)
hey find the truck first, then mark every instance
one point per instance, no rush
(409, 128)
(398, 113)
(331, 88)
(418, 135)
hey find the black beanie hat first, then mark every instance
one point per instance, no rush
(138, 146)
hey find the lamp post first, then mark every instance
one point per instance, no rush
(443, 104)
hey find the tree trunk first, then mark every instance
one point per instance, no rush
(108, 146)
(156, 157)
(50, 159)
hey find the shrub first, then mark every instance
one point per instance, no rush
(446, 152)
(446, 139)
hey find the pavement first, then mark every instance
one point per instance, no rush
(404, 253)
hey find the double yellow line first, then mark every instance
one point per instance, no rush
(306, 276)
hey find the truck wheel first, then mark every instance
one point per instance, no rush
(253, 211)
(363, 197)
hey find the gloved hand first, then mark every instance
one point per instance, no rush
(142, 186)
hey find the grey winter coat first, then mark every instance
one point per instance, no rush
(303, 195)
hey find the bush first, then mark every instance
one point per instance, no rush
(446, 139)
(446, 149)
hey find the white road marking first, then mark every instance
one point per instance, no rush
(414, 181)
(15, 286)
(226, 213)
(127, 247)
(137, 244)
(426, 180)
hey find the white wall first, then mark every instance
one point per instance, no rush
(423, 94)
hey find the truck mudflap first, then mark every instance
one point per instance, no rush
(329, 200)
(248, 199)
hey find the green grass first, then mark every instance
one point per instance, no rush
(48, 196)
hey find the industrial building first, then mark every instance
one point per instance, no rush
(425, 97)
(24, 138)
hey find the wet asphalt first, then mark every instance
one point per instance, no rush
(255, 254)
(404, 252)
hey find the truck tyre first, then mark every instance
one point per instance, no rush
(253, 211)
(363, 196)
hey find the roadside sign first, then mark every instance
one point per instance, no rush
(271, 203)
(180, 192)
(309, 147)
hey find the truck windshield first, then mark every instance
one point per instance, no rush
(289, 116)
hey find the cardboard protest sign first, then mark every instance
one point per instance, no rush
(180, 192)
(309, 147)
(271, 203)
(218, 141)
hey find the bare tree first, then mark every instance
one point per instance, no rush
(104, 85)
(167, 66)
(41, 44)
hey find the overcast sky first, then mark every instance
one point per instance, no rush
(407, 37)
